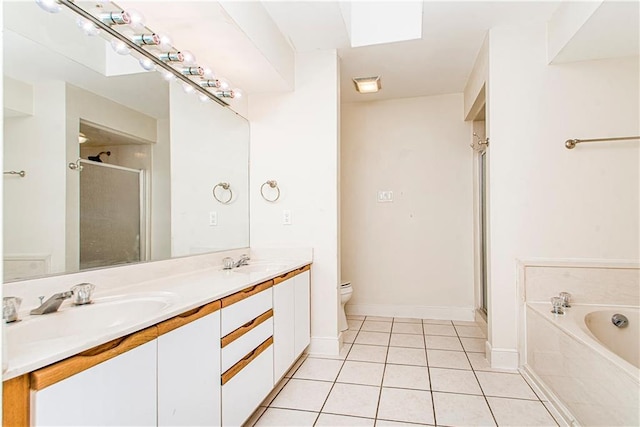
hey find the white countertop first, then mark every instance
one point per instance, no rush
(37, 341)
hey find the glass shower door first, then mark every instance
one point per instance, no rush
(111, 215)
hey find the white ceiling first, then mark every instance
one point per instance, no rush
(440, 62)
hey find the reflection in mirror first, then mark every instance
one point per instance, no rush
(120, 164)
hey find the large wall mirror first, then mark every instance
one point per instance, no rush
(119, 164)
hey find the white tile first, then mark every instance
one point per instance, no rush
(286, 417)
(373, 338)
(436, 322)
(406, 320)
(365, 373)
(319, 369)
(514, 412)
(407, 356)
(380, 318)
(349, 336)
(344, 350)
(331, 420)
(303, 394)
(443, 343)
(470, 331)
(499, 384)
(447, 330)
(402, 376)
(354, 325)
(462, 410)
(295, 366)
(454, 381)
(464, 323)
(351, 399)
(388, 423)
(354, 317)
(447, 359)
(275, 392)
(412, 406)
(406, 340)
(254, 417)
(368, 353)
(407, 328)
(372, 326)
(476, 345)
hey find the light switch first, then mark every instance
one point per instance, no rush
(385, 196)
(286, 217)
(213, 218)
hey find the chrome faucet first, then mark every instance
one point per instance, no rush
(244, 260)
(53, 303)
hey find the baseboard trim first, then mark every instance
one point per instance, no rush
(502, 358)
(327, 346)
(558, 409)
(415, 311)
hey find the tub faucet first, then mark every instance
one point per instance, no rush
(53, 303)
(244, 260)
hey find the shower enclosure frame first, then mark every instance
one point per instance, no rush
(144, 224)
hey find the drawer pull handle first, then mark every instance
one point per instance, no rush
(242, 363)
(250, 325)
(249, 290)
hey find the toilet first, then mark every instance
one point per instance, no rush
(345, 295)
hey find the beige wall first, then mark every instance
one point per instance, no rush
(413, 256)
(295, 140)
(547, 201)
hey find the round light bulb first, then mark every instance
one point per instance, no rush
(137, 18)
(87, 27)
(204, 98)
(224, 85)
(189, 58)
(120, 47)
(168, 76)
(165, 43)
(187, 88)
(237, 93)
(147, 64)
(51, 6)
(208, 74)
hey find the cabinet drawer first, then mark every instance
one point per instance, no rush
(245, 310)
(239, 348)
(243, 393)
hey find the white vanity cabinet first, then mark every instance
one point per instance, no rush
(189, 368)
(113, 384)
(247, 351)
(291, 308)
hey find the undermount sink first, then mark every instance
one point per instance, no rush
(260, 268)
(74, 321)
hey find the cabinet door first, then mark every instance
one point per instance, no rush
(120, 391)
(189, 373)
(283, 327)
(302, 312)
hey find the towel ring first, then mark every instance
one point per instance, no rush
(224, 186)
(271, 184)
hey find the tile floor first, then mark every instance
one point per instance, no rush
(403, 372)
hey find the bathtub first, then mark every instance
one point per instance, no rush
(587, 366)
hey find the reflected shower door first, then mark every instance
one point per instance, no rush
(111, 215)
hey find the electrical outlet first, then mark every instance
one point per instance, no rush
(286, 217)
(385, 196)
(213, 218)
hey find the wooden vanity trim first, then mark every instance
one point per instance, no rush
(234, 335)
(235, 369)
(16, 401)
(291, 274)
(188, 317)
(66, 368)
(246, 293)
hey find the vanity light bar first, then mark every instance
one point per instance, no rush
(115, 18)
(146, 39)
(171, 57)
(210, 83)
(226, 93)
(193, 71)
(139, 49)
